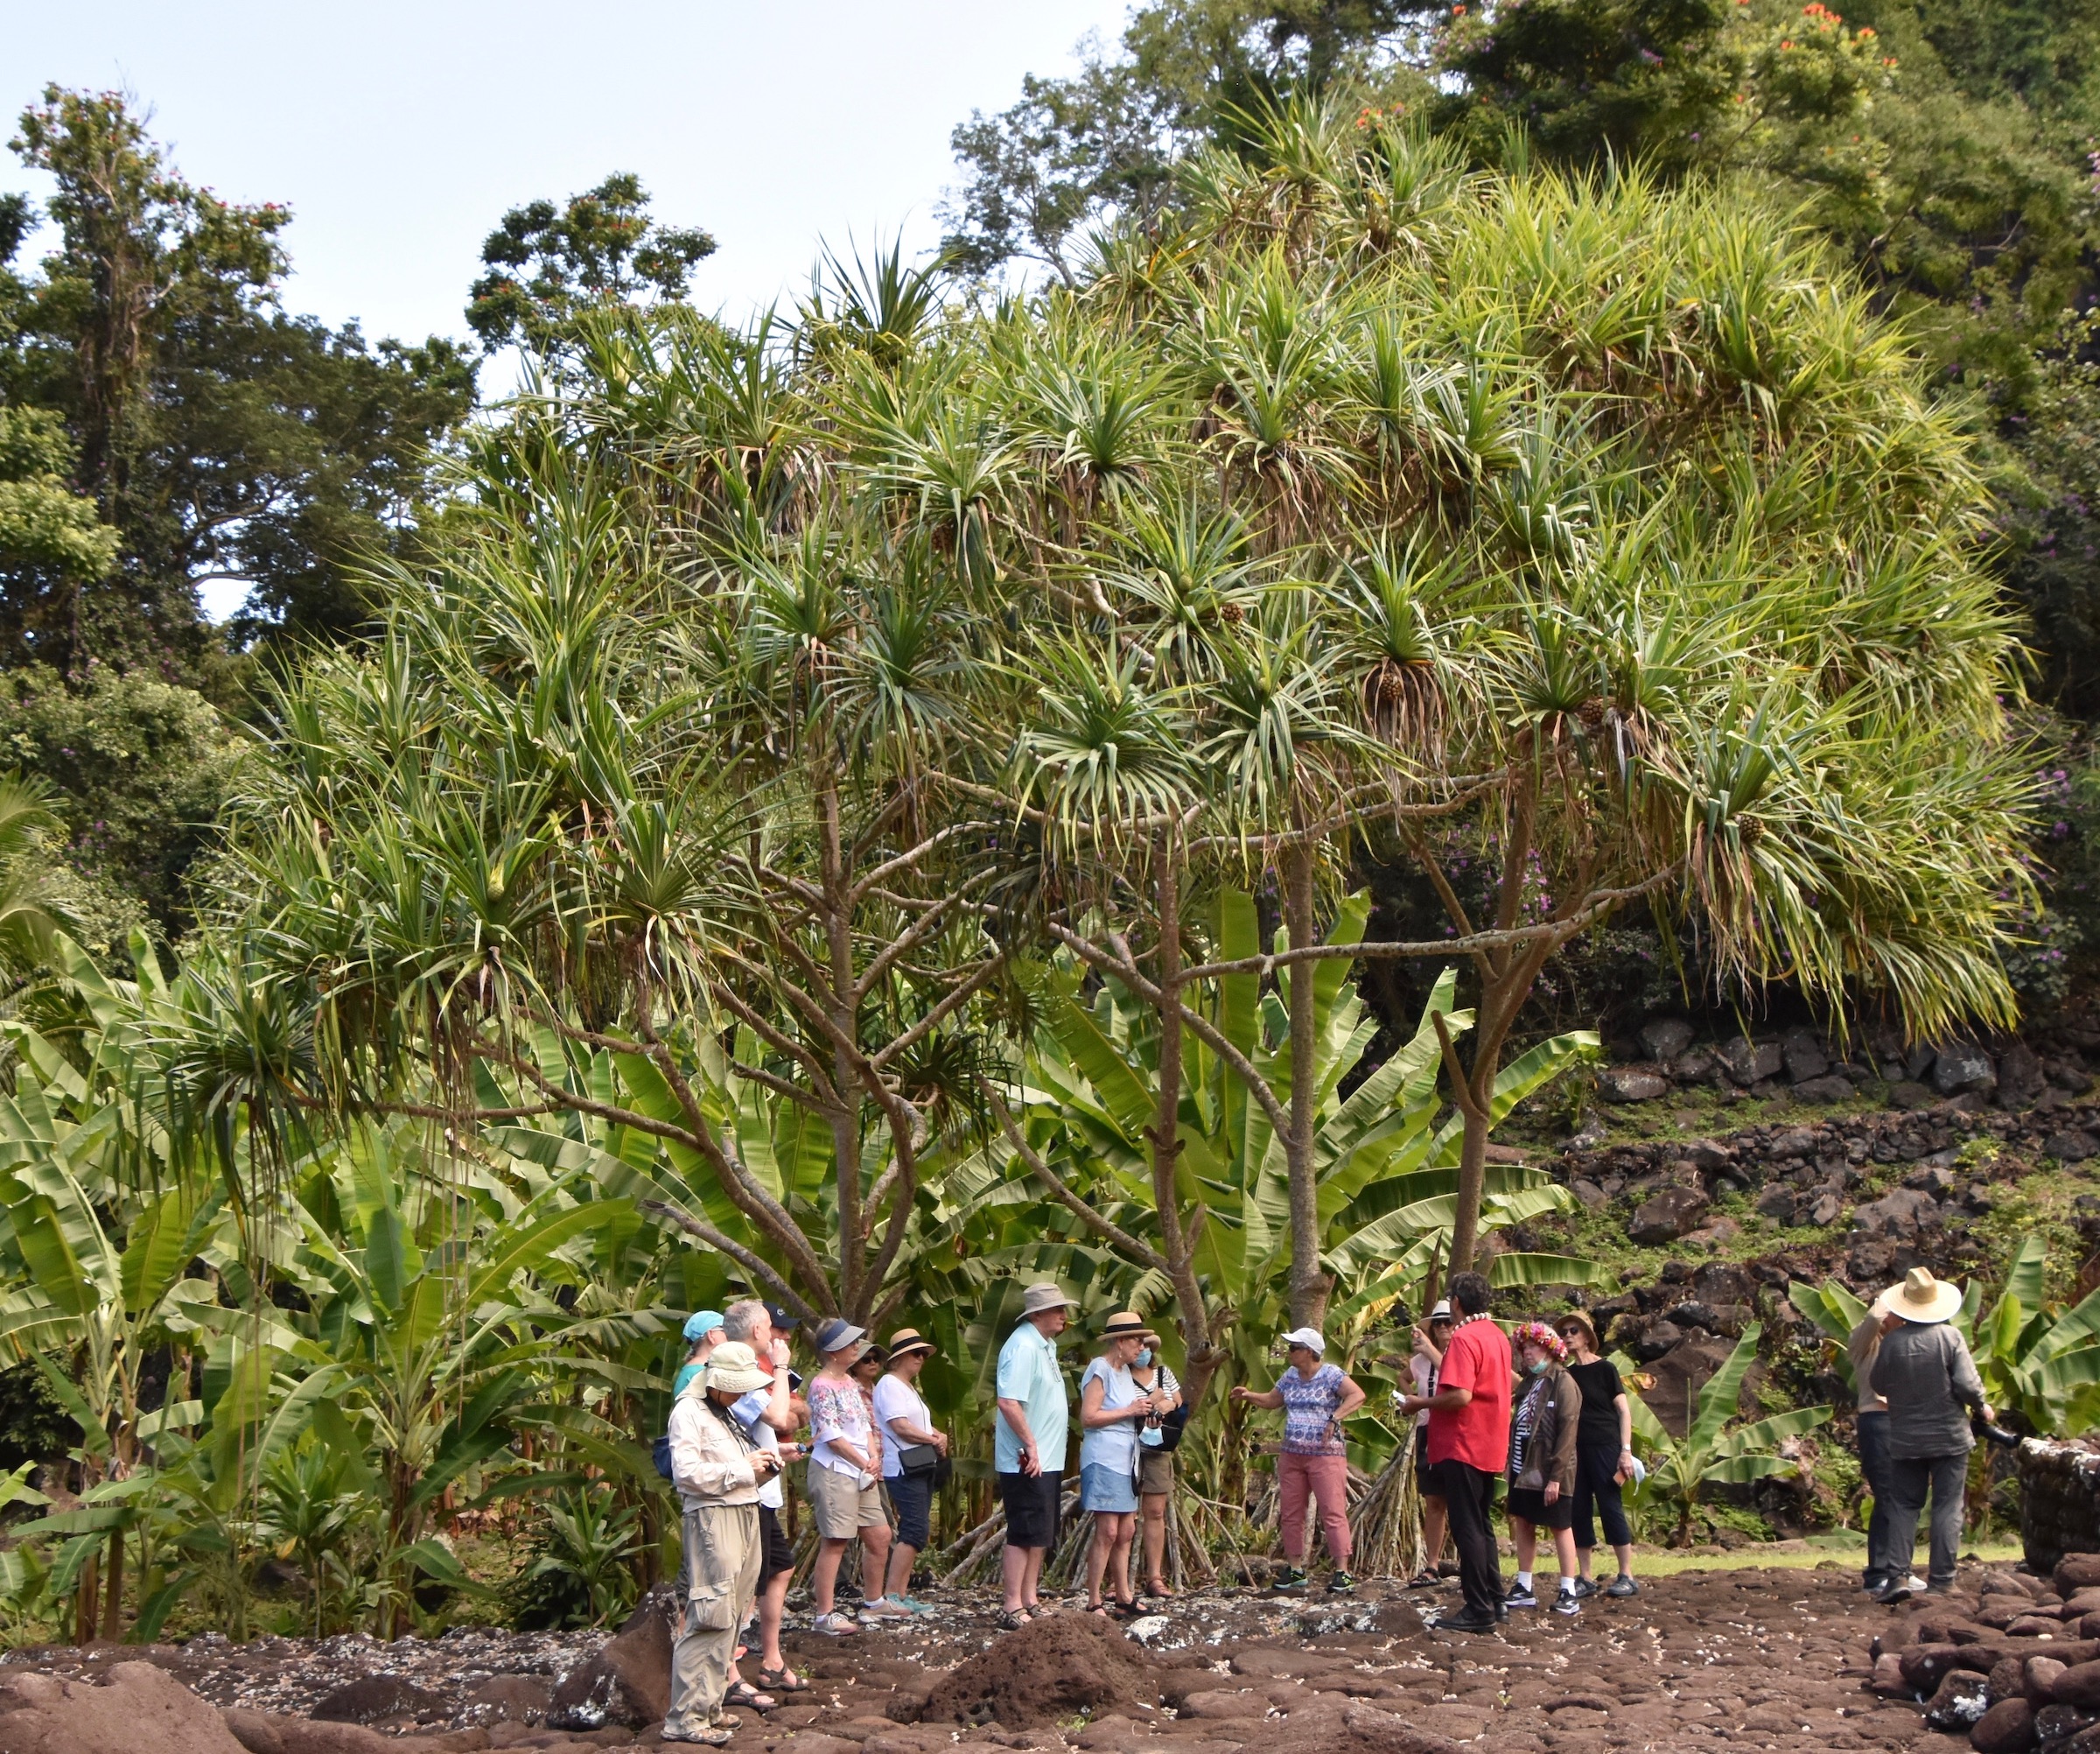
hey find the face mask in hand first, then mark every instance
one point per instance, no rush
(1143, 1357)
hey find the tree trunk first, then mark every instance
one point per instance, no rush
(1473, 1176)
(1309, 1284)
(113, 1601)
(1201, 1351)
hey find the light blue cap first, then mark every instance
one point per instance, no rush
(700, 1324)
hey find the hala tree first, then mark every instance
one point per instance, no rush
(1577, 540)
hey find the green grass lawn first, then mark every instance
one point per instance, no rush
(1843, 1549)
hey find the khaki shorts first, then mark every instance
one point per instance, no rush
(843, 1505)
(1155, 1471)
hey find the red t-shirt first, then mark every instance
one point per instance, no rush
(1478, 1434)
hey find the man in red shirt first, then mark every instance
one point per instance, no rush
(1469, 1446)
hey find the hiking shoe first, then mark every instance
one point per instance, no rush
(886, 1608)
(1567, 1603)
(1899, 1589)
(911, 1604)
(833, 1625)
(1292, 1580)
(1520, 1598)
(1622, 1585)
(1586, 1588)
(1340, 1584)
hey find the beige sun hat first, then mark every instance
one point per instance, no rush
(733, 1367)
(1920, 1297)
(1038, 1298)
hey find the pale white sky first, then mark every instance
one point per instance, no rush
(400, 133)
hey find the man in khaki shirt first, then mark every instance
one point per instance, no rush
(1870, 1428)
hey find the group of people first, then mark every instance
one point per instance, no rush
(874, 1458)
(1539, 1410)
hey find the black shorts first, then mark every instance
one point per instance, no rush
(1424, 1481)
(1533, 1508)
(775, 1555)
(1031, 1505)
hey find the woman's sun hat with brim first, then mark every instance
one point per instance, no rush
(1310, 1338)
(1578, 1318)
(1921, 1298)
(906, 1341)
(840, 1335)
(1124, 1324)
(1038, 1298)
(733, 1368)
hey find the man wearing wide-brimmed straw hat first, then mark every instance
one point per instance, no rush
(1028, 1445)
(1925, 1374)
(913, 1450)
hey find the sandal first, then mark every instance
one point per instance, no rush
(742, 1693)
(1156, 1588)
(1012, 1619)
(782, 1681)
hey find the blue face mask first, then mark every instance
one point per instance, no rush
(1537, 1369)
(1143, 1357)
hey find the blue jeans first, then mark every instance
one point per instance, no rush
(1946, 1477)
(1872, 1431)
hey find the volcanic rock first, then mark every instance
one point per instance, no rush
(1960, 1067)
(370, 1698)
(1899, 1214)
(1960, 1699)
(2006, 1727)
(137, 1707)
(629, 1681)
(1668, 1215)
(1749, 1063)
(1664, 1038)
(1632, 1083)
(1832, 1088)
(2070, 1146)
(1805, 1057)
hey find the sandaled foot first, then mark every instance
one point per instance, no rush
(782, 1679)
(742, 1693)
(1155, 1586)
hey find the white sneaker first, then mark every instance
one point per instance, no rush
(833, 1625)
(885, 1611)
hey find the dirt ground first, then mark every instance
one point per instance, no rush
(1768, 1658)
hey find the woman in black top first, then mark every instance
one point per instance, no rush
(1603, 1456)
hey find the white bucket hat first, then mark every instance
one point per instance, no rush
(1310, 1338)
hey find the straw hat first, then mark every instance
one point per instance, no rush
(1124, 1324)
(1580, 1318)
(1038, 1298)
(1921, 1298)
(733, 1367)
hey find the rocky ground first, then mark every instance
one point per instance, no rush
(1767, 1659)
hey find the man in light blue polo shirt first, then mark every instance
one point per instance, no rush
(1028, 1445)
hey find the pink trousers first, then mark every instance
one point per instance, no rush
(1324, 1478)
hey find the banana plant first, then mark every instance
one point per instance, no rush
(433, 1350)
(1386, 1169)
(99, 1235)
(2038, 1359)
(1711, 1453)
